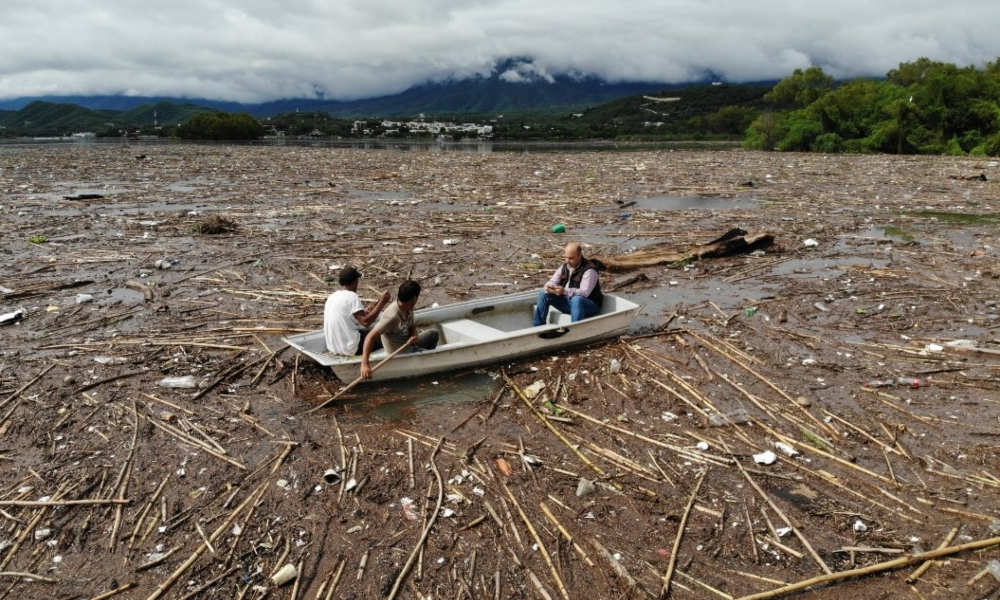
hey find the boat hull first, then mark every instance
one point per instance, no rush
(479, 332)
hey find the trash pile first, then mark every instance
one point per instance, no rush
(793, 414)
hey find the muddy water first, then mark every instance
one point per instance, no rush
(410, 399)
(672, 203)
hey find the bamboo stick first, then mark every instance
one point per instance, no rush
(359, 379)
(122, 486)
(336, 579)
(846, 463)
(170, 404)
(26, 531)
(289, 446)
(31, 576)
(157, 561)
(927, 564)
(685, 453)
(95, 501)
(193, 441)
(427, 528)
(668, 576)
(538, 541)
(116, 591)
(795, 530)
(551, 428)
(876, 568)
(179, 572)
(617, 565)
(209, 583)
(579, 549)
(26, 386)
(767, 382)
(718, 593)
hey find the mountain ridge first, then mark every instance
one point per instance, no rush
(476, 95)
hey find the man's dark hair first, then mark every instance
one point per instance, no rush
(348, 275)
(408, 290)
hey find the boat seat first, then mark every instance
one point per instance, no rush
(555, 317)
(560, 318)
(467, 330)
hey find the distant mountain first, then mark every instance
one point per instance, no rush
(57, 119)
(165, 113)
(119, 103)
(484, 95)
(473, 96)
(673, 106)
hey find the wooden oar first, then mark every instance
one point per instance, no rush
(360, 378)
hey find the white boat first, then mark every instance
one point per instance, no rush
(478, 332)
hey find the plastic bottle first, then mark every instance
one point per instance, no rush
(615, 366)
(911, 381)
(877, 383)
(559, 228)
(187, 381)
(109, 360)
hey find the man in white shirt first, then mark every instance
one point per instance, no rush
(345, 320)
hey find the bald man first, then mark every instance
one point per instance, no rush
(574, 288)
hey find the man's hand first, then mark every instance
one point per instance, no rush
(554, 289)
(384, 298)
(413, 340)
(366, 370)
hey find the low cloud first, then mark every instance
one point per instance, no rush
(254, 51)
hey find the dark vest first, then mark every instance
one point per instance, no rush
(574, 282)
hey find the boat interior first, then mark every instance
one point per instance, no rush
(478, 324)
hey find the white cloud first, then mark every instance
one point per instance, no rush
(257, 50)
(525, 72)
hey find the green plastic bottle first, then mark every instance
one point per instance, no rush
(559, 228)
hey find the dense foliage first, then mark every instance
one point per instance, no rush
(221, 127)
(703, 112)
(923, 107)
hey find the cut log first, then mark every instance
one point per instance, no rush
(733, 242)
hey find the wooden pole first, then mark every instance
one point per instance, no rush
(359, 379)
(892, 564)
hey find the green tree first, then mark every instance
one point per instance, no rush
(802, 129)
(220, 127)
(800, 89)
(732, 120)
(916, 72)
(765, 131)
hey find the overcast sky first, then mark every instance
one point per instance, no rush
(259, 50)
